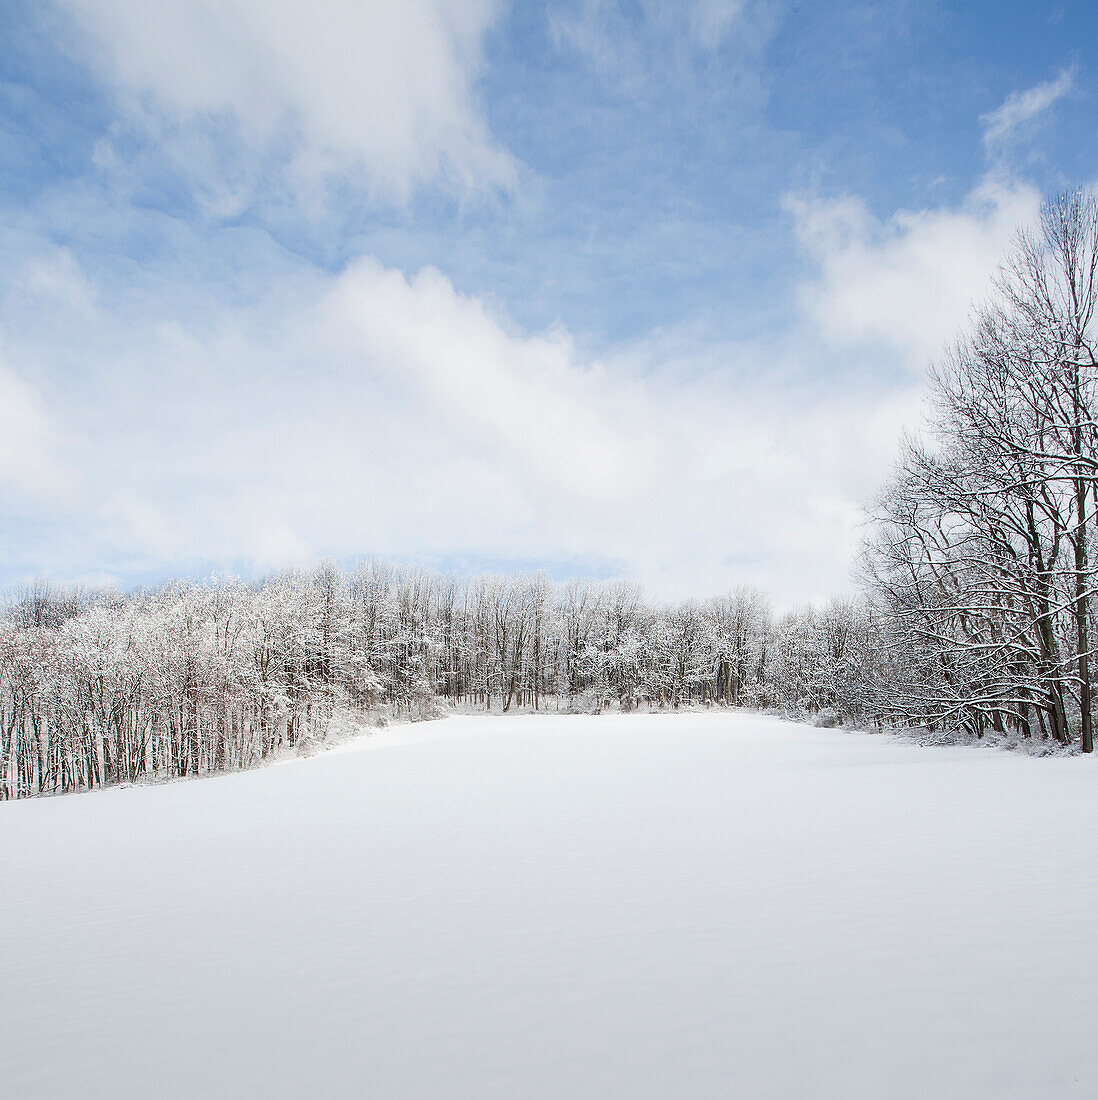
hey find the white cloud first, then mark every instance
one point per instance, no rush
(525, 392)
(345, 84)
(1021, 107)
(56, 277)
(909, 281)
(26, 464)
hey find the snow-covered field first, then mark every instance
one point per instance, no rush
(701, 905)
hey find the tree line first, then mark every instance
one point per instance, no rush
(980, 562)
(187, 679)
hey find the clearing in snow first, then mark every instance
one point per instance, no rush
(695, 905)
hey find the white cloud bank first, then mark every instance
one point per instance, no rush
(906, 282)
(364, 84)
(392, 414)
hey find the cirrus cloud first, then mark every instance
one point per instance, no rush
(1020, 108)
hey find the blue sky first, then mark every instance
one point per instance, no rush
(641, 288)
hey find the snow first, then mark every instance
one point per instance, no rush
(696, 905)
